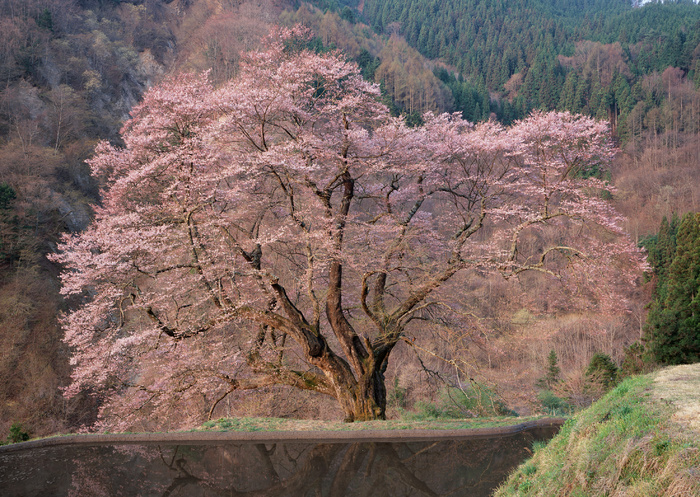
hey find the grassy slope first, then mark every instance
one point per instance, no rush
(642, 439)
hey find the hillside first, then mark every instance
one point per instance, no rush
(640, 439)
(70, 72)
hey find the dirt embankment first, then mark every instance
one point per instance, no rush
(372, 432)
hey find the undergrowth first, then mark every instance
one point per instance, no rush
(458, 403)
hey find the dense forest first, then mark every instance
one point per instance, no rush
(71, 70)
(548, 55)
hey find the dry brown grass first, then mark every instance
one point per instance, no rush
(680, 386)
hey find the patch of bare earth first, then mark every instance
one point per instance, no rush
(680, 386)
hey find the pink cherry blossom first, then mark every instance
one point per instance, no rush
(284, 229)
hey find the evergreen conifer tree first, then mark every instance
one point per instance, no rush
(551, 376)
(673, 324)
(568, 93)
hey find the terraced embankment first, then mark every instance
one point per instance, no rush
(641, 439)
(291, 430)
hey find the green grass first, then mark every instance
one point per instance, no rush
(625, 444)
(278, 424)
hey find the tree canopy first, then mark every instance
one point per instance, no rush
(284, 229)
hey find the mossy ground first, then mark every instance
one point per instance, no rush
(278, 424)
(641, 439)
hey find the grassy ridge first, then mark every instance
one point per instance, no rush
(631, 442)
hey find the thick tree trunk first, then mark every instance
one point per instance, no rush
(365, 400)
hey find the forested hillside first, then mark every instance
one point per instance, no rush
(578, 56)
(71, 70)
(639, 68)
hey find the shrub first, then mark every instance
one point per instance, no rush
(602, 373)
(17, 434)
(398, 396)
(474, 401)
(552, 404)
(635, 361)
